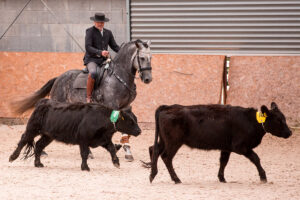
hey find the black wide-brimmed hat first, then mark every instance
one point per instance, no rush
(99, 17)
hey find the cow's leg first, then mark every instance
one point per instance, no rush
(223, 162)
(84, 152)
(91, 156)
(110, 147)
(40, 145)
(154, 159)
(26, 138)
(253, 157)
(167, 156)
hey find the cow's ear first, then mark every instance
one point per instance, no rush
(137, 44)
(264, 109)
(274, 106)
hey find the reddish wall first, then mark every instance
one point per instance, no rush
(201, 83)
(21, 73)
(259, 80)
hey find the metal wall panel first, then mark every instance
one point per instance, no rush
(230, 27)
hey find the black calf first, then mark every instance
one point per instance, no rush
(87, 125)
(226, 128)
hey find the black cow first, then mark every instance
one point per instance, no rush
(87, 125)
(220, 127)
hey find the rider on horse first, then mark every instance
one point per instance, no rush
(97, 40)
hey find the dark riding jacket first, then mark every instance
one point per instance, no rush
(95, 43)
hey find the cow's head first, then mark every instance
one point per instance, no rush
(275, 121)
(127, 123)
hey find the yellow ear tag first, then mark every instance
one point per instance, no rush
(260, 117)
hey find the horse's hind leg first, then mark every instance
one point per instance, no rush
(26, 138)
(40, 145)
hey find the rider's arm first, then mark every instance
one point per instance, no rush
(112, 43)
(89, 42)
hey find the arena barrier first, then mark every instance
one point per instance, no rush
(22, 73)
(181, 79)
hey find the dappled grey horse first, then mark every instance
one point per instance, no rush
(116, 90)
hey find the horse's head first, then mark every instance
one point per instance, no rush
(142, 60)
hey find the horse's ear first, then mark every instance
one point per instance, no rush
(149, 43)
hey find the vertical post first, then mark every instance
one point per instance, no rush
(128, 19)
(225, 86)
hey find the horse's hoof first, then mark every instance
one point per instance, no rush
(128, 155)
(129, 158)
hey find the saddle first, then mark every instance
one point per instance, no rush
(81, 79)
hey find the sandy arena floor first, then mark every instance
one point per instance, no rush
(61, 178)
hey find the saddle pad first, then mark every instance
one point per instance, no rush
(80, 81)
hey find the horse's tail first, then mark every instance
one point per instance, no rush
(20, 106)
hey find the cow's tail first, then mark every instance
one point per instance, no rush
(157, 112)
(29, 150)
(21, 106)
(155, 153)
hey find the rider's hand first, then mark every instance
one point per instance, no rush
(105, 53)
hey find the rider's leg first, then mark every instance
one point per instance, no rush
(92, 67)
(126, 146)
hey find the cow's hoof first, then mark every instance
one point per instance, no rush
(85, 168)
(117, 165)
(38, 165)
(222, 180)
(177, 181)
(151, 178)
(12, 157)
(263, 180)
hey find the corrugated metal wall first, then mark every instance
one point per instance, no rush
(218, 27)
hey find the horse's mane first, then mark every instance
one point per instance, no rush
(126, 49)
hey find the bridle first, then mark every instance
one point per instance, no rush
(140, 69)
